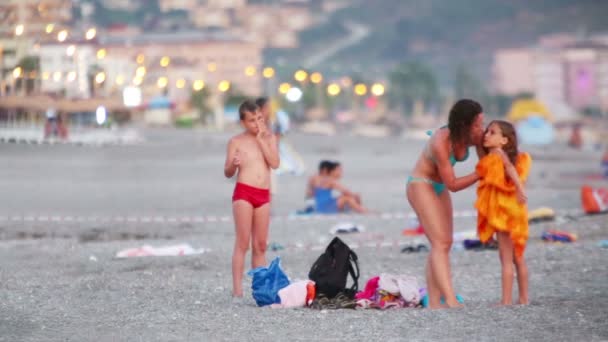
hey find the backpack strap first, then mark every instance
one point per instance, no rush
(352, 258)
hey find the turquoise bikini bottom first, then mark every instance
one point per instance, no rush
(438, 187)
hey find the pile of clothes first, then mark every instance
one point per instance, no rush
(390, 291)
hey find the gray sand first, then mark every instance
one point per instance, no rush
(59, 281)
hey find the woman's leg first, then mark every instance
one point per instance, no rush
(432, 216)
(448, 214)
(505, 251)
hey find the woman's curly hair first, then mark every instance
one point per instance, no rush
(462, 116)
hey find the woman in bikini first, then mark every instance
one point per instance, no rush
(427, 192)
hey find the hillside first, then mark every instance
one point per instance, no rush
(442, 33)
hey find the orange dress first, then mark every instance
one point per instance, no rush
(497, 206)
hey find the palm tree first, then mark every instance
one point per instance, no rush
(411, 82)
(199, 99)
(30, 69)
(91, 73)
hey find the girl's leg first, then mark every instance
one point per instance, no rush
(243, 218)
(505, 251)
(522, 279)
(259, 235)
(428, 207)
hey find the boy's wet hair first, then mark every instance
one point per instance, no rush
(248, 106)
(261, 101)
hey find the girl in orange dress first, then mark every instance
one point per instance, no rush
(501, 204)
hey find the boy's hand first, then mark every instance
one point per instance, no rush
(236, 161)
(521, 197)
(262, 131)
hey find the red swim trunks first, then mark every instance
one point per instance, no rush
(255, 196)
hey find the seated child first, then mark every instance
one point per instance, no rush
(323, 187)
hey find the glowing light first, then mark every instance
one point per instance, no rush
(140, 71)
(223, 86)
(360, 89)
(333, 89)
(131, 96)
(91, 33)
(294, 94)
(198, 85)
(100, 77)
(164, 62)
(316, 77)
(250, 71)
(377, 89)
(268, 72)
(71, 76)
(62, 35)
(162, 82)
(300, 75)
(101, 53)
(17, 72)
(100, 115)
(19, 29)
(284, 88)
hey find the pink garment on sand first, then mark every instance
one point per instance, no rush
(370, 289)
(293, 295)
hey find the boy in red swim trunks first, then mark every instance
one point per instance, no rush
(253, 153)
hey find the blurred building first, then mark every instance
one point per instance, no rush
(23, 21)
(124, 5)
(34, 15)
(508, 82)
(273, 24)
(64, 68)
(167, 63)
(172, 5)
(562, 71)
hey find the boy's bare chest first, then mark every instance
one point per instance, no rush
(251, 155)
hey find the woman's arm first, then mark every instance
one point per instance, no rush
(446, 171)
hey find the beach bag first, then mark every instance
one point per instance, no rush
(267, 281)
(330, 271)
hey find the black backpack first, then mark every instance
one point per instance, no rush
(330, 271)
